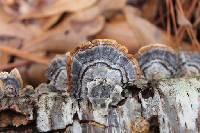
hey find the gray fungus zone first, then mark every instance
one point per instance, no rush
(99, 87)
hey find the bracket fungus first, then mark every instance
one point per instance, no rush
(99, 68)
(98, 73)
(57, 73)
(94, 75)
(16, 102)
(10, 83)
(189, 64)
(157, 61)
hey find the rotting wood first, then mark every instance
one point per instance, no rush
(103, 104)
(173, 103)
(16, 104)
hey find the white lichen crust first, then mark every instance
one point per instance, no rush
(175, 103)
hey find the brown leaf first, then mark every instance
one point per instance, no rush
(88, 28)
(150, 9)
(9, 41)
(15, 30)
(146, 33)
(56, 39)
(101, 7)
(60, 6)
(50, 21)
(121, 32)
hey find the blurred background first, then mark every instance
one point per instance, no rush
(32, 32)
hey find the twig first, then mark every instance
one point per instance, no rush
(168, 19)
(189, 30)
(24, 55)
(191, 33)
(197, 21)
(180, 34)
(14, 65)
(173, 16)
(191, 9)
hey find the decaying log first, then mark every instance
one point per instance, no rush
(170, 105)
(93, 91)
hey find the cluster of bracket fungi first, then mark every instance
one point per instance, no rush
(91, 82)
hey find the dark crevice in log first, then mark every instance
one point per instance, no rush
(154, 124)
(10, 117)
(29, 128)
(120, 103)
(91, 122)
(75, 117)
(133, 90)
(59, 130)
(148, 91)
(89, 105)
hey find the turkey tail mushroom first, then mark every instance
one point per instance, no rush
(157, 61)
(57, 73)
(10, 83)
(189, 64)
(102, 64)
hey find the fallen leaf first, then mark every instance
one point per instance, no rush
(146, 33)
(76, 31)
(122, 33)
(60, 6)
